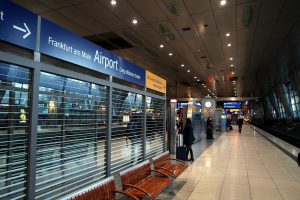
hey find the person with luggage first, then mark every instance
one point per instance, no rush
(209, 128)
(240, 123)
(188, 139)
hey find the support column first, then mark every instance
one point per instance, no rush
(172, 127)
(109, 123)
(32, 144)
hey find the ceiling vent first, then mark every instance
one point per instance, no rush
(109, 41)
(186, 29)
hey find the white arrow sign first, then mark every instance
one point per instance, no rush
(26, 30)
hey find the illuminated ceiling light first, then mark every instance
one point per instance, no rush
(231, 65)
(232, 73)
(205, 86)
(234, 83)
(170, 54)
(161, 46)
(134, 21)
(188, 71)
(227, 34)
(223, 2)
(195, 77)
(231, 58)
(198, 80)
(229, 44)
(182, 65)
(113, 2)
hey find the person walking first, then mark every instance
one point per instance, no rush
(209, 128)
(240, 123)
(188, 138)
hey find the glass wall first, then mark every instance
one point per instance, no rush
(127, 129)
(14, 126)
(72, 133)
(155, 133)
(293, 98)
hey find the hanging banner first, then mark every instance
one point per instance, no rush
(155, 82)
(57, 42)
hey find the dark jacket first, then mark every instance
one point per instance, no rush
(240, 121)
(188, 136)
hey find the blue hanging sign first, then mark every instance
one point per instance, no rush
(17, 25)
(60, 43)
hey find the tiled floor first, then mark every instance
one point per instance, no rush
(238, 167)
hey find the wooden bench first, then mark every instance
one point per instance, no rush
(171, 166)
(103, 190)
(142, 182)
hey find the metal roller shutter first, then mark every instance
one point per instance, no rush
(127, 129)
(72, 134)
(14, 121)
(155, 142)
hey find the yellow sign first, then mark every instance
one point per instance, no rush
(155, 82)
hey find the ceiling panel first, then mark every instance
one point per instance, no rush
(228, 23)
(264, 32)
(172, 9)
(124, 12)
(185, 22)
(56, 4)
(196, 6)
(147, 32)
(149, 10)
(202, 19)
(245, 37)
(283, 28)
(67, 23)
(195, 44)
(291, 10)
(216, 4)
(104, 17)
(83, 19)
(33, 5)
(270, 11)
(166, 30)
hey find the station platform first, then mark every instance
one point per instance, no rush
(238, 167)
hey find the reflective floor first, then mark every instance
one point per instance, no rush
(238, 167)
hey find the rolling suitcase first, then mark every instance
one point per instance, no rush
(181, 153)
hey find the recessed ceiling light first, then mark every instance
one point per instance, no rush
(113, 2)
(188, 70)
(203, 84)
(134, 21)
(182, 65)
(223, 2)
(170, 54)
(232, 72)
(227, 34)
(161, 46)
(234, 83)
(231, 65)
(198, 80)
(195, 77)
(229, 44)
(231, 58)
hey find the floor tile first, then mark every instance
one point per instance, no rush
(203, 196)
(290, 194)
(260, 193)
(261, 182)
(233, 190)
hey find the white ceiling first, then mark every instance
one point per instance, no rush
(258, 29)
